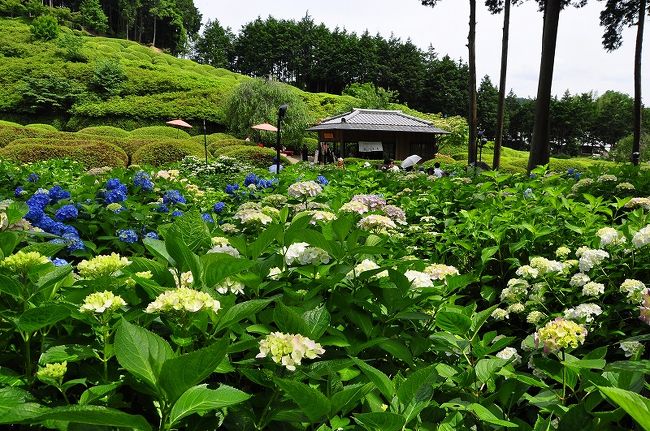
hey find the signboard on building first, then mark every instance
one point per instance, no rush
(370, 147)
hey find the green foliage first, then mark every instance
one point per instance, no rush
(90, 154)
(93, 16)
(42, 127)
(12, 8)
(111, 131)
(251, 155)
(159, 153)
(159, 132)
(47, 93)
(45, 27)
(71, 47)
(622, 151)
(214, 46)
(257, 101)
(370, 96)
(108, 78)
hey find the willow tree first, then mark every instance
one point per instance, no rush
(616, 15)
(473, 110)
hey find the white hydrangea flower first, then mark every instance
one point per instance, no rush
(377, 223)
(500, 314)
(607, 178)
(252, 218)
(509, 354)
(535, 317)
(304, 189)
(354, 207)
(366, 265)
(226, 249)
(590, 258)
(220, 241)
(585, 312)
(516, 308)
(562, 252)
(186, 279)
(546, 266)
(625, 186)
(610, 236)
(579, 280)
(631, 348)
(230, 286)
(638, 202)
(642, 237)
(418, 279)
(593, 289)
(275, 273)
(516, 290)
(302, 253)
(229, 228)
(634, 289)
(100, 302)
(528, 272)
(183, 299)
(289, 349)
(439, 271)
(324, 216)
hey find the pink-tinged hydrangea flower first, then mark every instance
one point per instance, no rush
(289, 350)
(301, 253)
(642, 237)
(645, 308)
(634, 289)
(373, 202)
(560, 334)
(610, 236)
(395, 213)
(304, 189)
(377, 223)
(639, 203)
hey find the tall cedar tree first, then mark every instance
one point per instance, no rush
(473, 112)
(616, 15)
(540, 150)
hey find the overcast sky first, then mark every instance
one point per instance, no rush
(581, 63)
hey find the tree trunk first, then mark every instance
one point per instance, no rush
(473, 114)
(638, 106)
(154, 32)
(502, 85)
(540, 148)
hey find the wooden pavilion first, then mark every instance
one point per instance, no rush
(379, 134)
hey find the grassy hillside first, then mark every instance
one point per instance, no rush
(36, 76)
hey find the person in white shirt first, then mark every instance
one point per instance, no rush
(274, 167)
(437, 171)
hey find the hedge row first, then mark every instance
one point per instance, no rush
(91, 155)
(252, 155)
(163, 152)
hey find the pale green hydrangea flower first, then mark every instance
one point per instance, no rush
(183, 299)
(289, 349)
(54, 372)
(102, 266)
(560, 334)
(102, 302)
(21, 262)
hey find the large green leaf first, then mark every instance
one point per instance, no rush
(158, 249)
(380, 421)
(314, 404)
(185, 258)
(289, 320)
(348, 398)
(192, 231)
(200, 399)
(634, 404)
(265, 239)
(181, 373)
(378, 378)
(38, 318)
(218, 266)
(453, 321)
(141, 352)
(68, 352)
(96, 415)
(10, 286)
(18, 405)
(96, 392)
(487, 416)
(418, 387)
(317, 321)
(241, 311)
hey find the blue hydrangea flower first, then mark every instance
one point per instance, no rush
(152, 235)
(32, 178)
(577, 175)
(114, 196)
(207, 218)
(57, 193)
(69, 231)
(35, 214)
(177, 213)
(19, 192)
(173, 197)
(322, 180)
(250, 179)
(162, 208)
(59, 262)
(528, 193)
(66, 213)
(264, 184)
(115, 184)
(39, 199)
(219, 207)
(143, 180)
(75, 244)
(570, 171)
(232, 188)
(127, 235)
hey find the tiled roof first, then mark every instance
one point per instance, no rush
(376, 119)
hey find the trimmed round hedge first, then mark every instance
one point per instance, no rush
(160, 153)
(113, 132)
(43, 127)
(252, 155)
(216, 147)
(10, 133)
(91, 155)
(159, 132)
